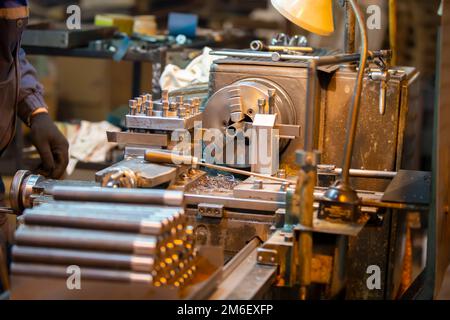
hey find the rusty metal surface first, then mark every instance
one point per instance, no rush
(377, 135)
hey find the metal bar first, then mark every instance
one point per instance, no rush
(234, 203)
(358, 172)
(350, 28)
(150, 225)
(42, 270)
(86, 239)
(393, 30)
(141, 196)
(354, 111)
(83, 258)
(321, 60)
(393, 205)
(312, 88)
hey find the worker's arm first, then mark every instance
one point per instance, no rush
(50, 143)
(31, 94)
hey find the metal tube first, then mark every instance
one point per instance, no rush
(43, 270)
(354, 111)
(393, 30)
(86, 239)
(83, 258)
(145, 225)
(141, 196)
(376, 174)
(311, 101)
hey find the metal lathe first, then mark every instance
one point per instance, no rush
(295, 178)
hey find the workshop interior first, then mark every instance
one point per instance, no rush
(226, 150)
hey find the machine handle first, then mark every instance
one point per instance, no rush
(165, 157)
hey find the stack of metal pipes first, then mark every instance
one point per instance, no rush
(107, 241)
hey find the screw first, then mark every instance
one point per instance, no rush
(165, 95)
(149, 108)
(132, 106)
(281, 174)
(165, 108)
(261, 105)
(258, 184)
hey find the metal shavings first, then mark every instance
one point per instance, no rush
(215, 184)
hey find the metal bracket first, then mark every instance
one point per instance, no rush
(267, 256)
(210, 210)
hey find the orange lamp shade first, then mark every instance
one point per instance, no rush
(313, 15)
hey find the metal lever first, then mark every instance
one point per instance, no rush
(383, 76)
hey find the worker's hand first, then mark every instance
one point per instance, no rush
(51, 145)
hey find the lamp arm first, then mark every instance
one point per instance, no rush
(354, 111)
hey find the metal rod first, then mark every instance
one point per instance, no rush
(354, 111)
(321, 60)
(240, 257)
(43, 270)
(393, 205)
(350, 29)
(83, 258)
(393, 30)
(312, 88)
(377, 174)
(258, 45)
(141, 196)
(155, 225)
(86, 239)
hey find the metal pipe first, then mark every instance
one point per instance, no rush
(43, 270)
(86, 239)
(354, 111)
(83, 258)
(321, 60)
(155, 225)
(312, 87)
(393, 30)
(393, 205)
(350, 29)
(96, 194)
(360, 173)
